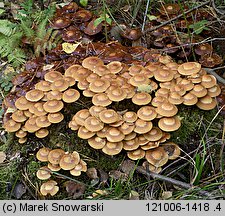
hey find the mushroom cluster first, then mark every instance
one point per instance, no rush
(41, 106)
(155, 90)
(57, 160)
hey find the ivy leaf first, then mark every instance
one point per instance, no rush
(84, 2)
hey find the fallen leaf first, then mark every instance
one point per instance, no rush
(75, 189)
(166, 195)
(134, 195)
(2, 156)
(99, 192)
(127, 166)
(92, 173)
(70, 47)
(19, 190)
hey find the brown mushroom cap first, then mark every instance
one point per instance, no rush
(163, 75)
(126, 128)
(70, 71)
(81, 167)
(60, 85)
(82, 16)
(54, 167)
(22, 103)
(42, 121)
(190, 99)
(81, 74)
(93, 29)
(210, 60)
(189, 68)
(54, 95)
(142, 126)
(37, 109)
(55, 155)
(43, 132)
(19, 116)
(150, 167)
(52, 76)
(163, 92)
(203, 49)
(53, 106)
(22, 140)
(92, 77)
(115, 67)
(130, 116)
(69, 161)
(84, 133)
(114, 135)
(136, 154)
(31, 125)
(141, 98)
(157, 156)
(70, 95)
(95, 110)
(150, 145)
(130, 145)
(34, 95)
(97, 142)
(112, 148)
(99, 85)
(214, 91)
(73, 125)
(21, 133)
(146, 113)
(43, 173)
(43, 86)
(169, 123)
(70, 80)
(166, 109)
(49, 187)
(101, 70)
(101, 99)
(199, 90)
(42, 154)
(61, 22)
(188, 84)
(208, 81)
(91, 62)
(55, 117)
(156, 101)
(154, 134)
(206, 103)
(172, 150)
(81, 116)
(135, 69)
(175, 98)
(93, 124)
(139, 79)
(116, 94)
(108, 116)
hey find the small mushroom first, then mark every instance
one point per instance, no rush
(112, 148)
(206, 103)
(141, 98)
(69, 160)
(97, 142)
(55, 155)
(169, 124)
(189, 68)
(43, 173)
(210, 60)
(49, 187)
(42, 154)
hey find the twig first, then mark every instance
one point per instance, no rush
(145, 16)
(177, 17)
(173, 181)
(221, 12)
(212, 71)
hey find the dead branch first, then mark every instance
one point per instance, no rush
(175, 18)
(172, 181)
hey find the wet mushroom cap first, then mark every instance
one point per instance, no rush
(154, 134)
(112, 148)
(52, 76)
(70, 95)
(31, 125)
(81, 116)
(60, 85)
(54, 95)
(22, 103)
(49, 187)
(166, 109)
(42, 121)
(169, 123)
(136, 154)
(117, 94)
(109, 116)
(142, 126)
(84, 133)
(206, 103)
(157, 157)
(190, 99)
(55, 155)
(93, 124)
(19, 116)
(42, 154)
(214, 91)
(99, 85)
(208, 81)
(53, 106)
(189, 68)
(21, 133)
(43, 132)
(55, 117)
(43, 86)
(69, 161)
(130, 116)
(97, 142)
(147, 113)
(114, 135)
(91, 62)
(101, 99)
(141, 98)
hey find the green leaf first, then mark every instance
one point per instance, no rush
(84, 2)
(108, 20)
(151, 17)
(2, 11)
(98, 21)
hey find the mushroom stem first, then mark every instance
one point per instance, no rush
(173, 181)
(218, 77)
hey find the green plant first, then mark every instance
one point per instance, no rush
(200, 26)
